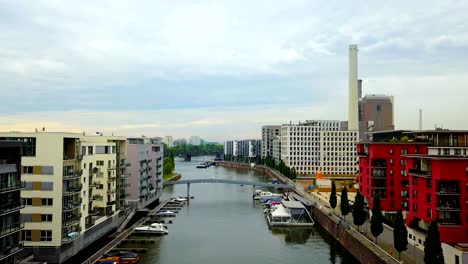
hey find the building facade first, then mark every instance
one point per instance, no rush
(375, 114)
(243, 150)
(168, 141)
(11, 224)
(277, 149)
(145, 165)
(268, 135)
(180, 141)
(74, 190)
(319, 146)
(195, 140)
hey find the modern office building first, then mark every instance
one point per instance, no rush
(429, 180)
(145, 168)
(375, 114)
(319, 146)
(74, 190)
(268, 135)
(11, 224)
(168, 141)
(195, 140)
(277, 149)
(243, 150)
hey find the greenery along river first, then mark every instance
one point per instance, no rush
(223, 225)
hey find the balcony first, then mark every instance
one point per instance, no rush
(10, 250)
(95, 185)
(448, 190)
(110, 191)
(12, 228)
(109, 213)
(363, 153)
(89, 224)
(72, 205)
(380, 187)
(9, 206)
(96, 198)
(12, 186)
(72, 190)
(98, 174)
(419, 173)
(124, 175)
(378, 173)
(111, 203)
(111, 167)
(111, 179)
(72, 220)
(71, 175)
(93, 212)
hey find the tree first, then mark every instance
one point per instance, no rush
(376, 219)
(344, 206)
(333, 196)
(432, 247)
(359, 216)
(400, 234)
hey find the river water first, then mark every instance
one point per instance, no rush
(223, 225)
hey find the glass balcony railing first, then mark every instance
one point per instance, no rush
(72, 175)
(419, 173)
(11, 228)
(12, 186)
(10, 250)
(71, 220)
(72, 190)
(10, 206)
(71, 205)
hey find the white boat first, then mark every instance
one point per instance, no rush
(263, 194)
(178, 199)
(166, 212)
(289, 213)
(155, 228)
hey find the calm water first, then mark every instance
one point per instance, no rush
(223, 225)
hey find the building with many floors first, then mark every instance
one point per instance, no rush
(375, 114)
(429, 182)
(245, 150)
(277, 149)
(74, 190)
(145, 168)
(268, 135)
(195, 140)
(11, 224)
(168, 141)
(180, 141)
(319, 146)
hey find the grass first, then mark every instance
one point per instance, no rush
(168, 176)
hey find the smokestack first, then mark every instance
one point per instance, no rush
(420, 119)
(353, 121)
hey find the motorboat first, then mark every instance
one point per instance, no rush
(267, 195)
(121, 257)
(178, 199)
(289, 213)
(155, 228)
(166, 212)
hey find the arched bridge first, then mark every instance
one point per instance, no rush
(259, 184)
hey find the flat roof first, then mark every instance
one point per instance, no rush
(436, 157)
(293, 204)
(436, 131)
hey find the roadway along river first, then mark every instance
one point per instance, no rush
(223, 225)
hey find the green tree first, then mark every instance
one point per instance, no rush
(432, 247)
(400, 234)
(359, 216)
(376, 219)
(333, 200)
(344, 206)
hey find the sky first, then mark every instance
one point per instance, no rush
(222, 69)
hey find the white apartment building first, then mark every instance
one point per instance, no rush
(73, 194)
(276, 148)
(319, 145)
(195, 140)
(268, 135)
(169, 141)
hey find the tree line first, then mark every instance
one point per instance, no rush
(196, 150)
(268, 161)
(432, 246)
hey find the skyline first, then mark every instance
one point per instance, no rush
(220, 70)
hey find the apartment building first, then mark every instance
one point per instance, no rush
(145, 168)
(319, 145)
(169, 141)
(245, 150)
(11, 224)
(277, 148)
(268, 135)
(74, 190)
(429, 181)
(195, 140)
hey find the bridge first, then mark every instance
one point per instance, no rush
(237, 182)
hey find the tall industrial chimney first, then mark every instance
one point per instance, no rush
(420, 119)
(353, 118)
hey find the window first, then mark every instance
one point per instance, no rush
(403, 162)
(46, 235)
(28, 201)
(428, 198)
(391, 193)
(392, 203)
(27, 235)
(391, 172)
(90, 150)
(415, 208)
(47, 201)
(29, 170)
(466, 169)
(391, 151)
(99, 163)
(428, 183)
(429, 214)
(404, 151)
(391, 182)
(403, 172)
(83, 150)
(46, 217)
(391, 161)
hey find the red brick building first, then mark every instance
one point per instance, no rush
(427, 177)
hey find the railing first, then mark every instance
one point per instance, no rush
(362, 153)
(9, 167)
(448, 208)
(72, 205)
(11, 206)
(93, 212)
(378, 187)
(448, 222)
(73, 175)
(11, 186)
(110, 191)
(72, 190)
(11, 228)
(12, 249)
(448, 191)
(419, 173)
(111, 167)
(95, 185)
(111, 179)
(111, 203)
(96, 198)
(71, 220)
(98, 174)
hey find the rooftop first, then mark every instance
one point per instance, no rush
(293, 204)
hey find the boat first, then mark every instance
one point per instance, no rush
(166, 212)
(155, 228)
(267, 195)
(178, 199)
(289, 213)
(121, 257)
(202, 166)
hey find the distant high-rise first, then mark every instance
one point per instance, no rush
(180, 141)
(376, 114)
(195, 140)
(168, 141)
(268, 135)
(353, 119)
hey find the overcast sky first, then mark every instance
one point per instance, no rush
(222, 69)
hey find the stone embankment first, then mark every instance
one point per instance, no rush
(358, 245)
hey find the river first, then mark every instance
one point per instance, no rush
(223, 225)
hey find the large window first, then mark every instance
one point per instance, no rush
(47, 201)
(46, 218)
(46, 235)
(28, 146)
(27, 235)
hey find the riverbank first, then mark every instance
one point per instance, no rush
(358, 245)
(172, 177)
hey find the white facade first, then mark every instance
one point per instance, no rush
(319, 146)
(169, 141)
(268, 135)
(276, 148)
(195, 140)
(353, 117)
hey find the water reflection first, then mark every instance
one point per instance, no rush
(295, 235)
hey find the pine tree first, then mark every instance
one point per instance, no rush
(376, 219)
(344, 206)
(359, 216)
(333, 196)
(432, 247)
(400, 234)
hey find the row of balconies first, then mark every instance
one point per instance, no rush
(71, 190)
(72, 175)
(10, 250)
(72, 205)
(419, 173)
(12, 186)
(72, 219)
(10, 206)
(11, 228)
